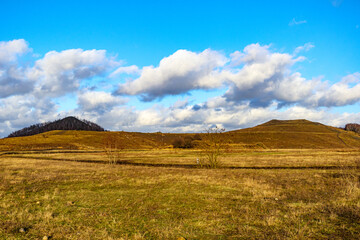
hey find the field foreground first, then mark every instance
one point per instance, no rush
(162, 194)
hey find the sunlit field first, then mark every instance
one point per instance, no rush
(164, 194)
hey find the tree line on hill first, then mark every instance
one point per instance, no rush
(73, 123)
(68, 123)
(353, 127)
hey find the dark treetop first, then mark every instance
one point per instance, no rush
(68, 123)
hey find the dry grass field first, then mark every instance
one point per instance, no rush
(162, 194)
(275, 134)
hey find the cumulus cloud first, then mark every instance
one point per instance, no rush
(256, 75)
(9, 51)
(254, 83)
(24, 110)
(61, 72)
(98, 101)
(14, 82)
(13, 79)
(179, 73)
(265, 77)
(345, 92)
(186, 119)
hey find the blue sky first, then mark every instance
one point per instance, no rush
(318, 43)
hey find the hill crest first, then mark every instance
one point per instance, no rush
(275, 134)
(67, 123)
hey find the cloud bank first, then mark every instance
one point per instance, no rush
(177, 74)
(253, 85)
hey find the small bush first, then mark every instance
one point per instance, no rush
(186, 142)
(178, 143)
(197, 137)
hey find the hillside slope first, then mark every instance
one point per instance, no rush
(296, 134)
(285, 134)
(71, 139)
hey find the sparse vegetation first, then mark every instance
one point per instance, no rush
(212, 147)
(81, 200)
(58, 185)
(113, 146)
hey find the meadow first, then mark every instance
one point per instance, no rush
(164, 194)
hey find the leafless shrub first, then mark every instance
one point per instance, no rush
(212, 147)
(113, 147)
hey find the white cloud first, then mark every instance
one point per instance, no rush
(255, 75)
(258, 81)
(14, 82)
(61, 72)
(22, 111)
(9, 51)
(179, 73)
(98, 101)
(294, 22)
(265, 77)
(345, 92)
(186, 119)
(252, 53)
(306, 47)
(133, 69)
(12, 77)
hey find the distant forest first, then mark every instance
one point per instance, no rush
(68, 123)
(353, 127)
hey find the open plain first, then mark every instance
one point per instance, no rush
(163, 194)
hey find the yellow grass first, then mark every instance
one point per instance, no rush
(273, 194)
(294, 134)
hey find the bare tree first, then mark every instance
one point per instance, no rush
(212, 146)
(113, 147)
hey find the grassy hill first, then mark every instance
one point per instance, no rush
(70, 139)
(273, 134)
(296, 134)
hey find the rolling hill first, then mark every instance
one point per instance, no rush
(282, 134)
(296, 134)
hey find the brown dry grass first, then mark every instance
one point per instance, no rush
(79, 200)
(294, 134)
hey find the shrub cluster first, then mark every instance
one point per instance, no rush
(353, 127)
(184, 142)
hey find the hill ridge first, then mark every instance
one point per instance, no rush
(274, 134)
(67, 123)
